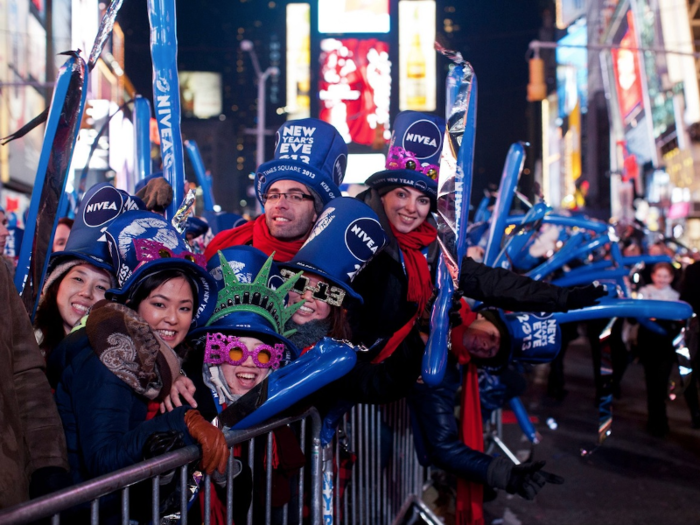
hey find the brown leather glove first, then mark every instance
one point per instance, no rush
(157, 194)
(214, 447)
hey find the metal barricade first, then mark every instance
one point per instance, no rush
(120, 482)
(386, 472)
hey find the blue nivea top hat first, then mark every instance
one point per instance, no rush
(309, 151)
(251, 297)
(525, 337)
(414, 154)
(346, 236)
(142, 243)
(101, 204)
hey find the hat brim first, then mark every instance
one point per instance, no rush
(411, 178)
(205, 283)
(301, 266)
(62, 256)
(289, 169)
(234, 323)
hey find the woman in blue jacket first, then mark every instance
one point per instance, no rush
(120, 362)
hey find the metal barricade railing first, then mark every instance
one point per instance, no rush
(91, 491)
(386, 473)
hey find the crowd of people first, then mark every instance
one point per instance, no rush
(147, 343)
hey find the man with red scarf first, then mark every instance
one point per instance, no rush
(398, 283)
(305, 174)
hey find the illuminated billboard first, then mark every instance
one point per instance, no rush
(298, 61)
(200, 94)
(628, 81)
(353, 16)
(355, 88)
(417, 69)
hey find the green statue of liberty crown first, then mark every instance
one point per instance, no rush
(256, 297)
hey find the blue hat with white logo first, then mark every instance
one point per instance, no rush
(100, 206)
(414, 154)
(525, 337)
(309, 151)
(142, 243)
(346, 236)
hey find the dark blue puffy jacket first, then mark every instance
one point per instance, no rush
(103, 418)
(435, 430)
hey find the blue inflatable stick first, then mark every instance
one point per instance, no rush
(62, 125)
(142, 131)
(509, 181)
(453, 196)
(327, 361)
(166, 96)
(202, 177)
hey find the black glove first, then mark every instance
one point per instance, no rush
(161, 442)
(525, 479)
(455, 316)
(582, 296)
(46, 480)
(455, 307)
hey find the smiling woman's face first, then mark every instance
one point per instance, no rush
(313, 309)
(81, 287)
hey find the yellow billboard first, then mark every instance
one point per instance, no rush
(417, 57)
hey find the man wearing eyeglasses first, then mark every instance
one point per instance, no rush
(305, 174)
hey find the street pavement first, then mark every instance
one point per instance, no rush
(633, 478)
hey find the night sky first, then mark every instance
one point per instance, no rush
(492, 35)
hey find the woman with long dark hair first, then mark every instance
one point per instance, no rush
(121, 362)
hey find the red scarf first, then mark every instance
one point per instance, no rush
(420, 284)
(470, 495)
(255, 233)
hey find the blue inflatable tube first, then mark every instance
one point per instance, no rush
(166, 96)
(646, 308)
(142, 130)
(515, 161)
(202, 177)
(327, 361)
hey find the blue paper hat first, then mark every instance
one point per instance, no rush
(142, 243)
(308, 151)
(196, 227)
(528, 338)
(221, 221)
(344, 239)
(414, 154)
(251, 297)
(100, 206)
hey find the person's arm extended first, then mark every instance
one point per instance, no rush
(510, 291)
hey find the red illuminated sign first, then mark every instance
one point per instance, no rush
(355, 87)
(627, 72)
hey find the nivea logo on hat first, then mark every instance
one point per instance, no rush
(364, 237)
(344, 239)
(103, 206)
(423, 138)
